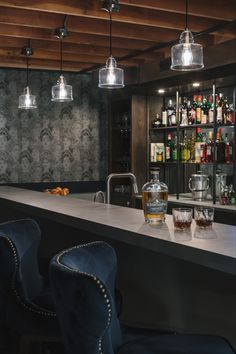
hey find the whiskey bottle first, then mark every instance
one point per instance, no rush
(209, 148)
(219, 109)
(154, 199)
(170, 112)
(198, 145)
(210, 110)
(199, 110)
(175, 149)
(184, 113)
(169, 147)
(204, 112)
(220, 147)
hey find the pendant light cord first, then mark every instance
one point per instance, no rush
(27, 70)
(110, 14)
(186, 14)
(61, 54)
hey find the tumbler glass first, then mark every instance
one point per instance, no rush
(182, 218)
(204, 216)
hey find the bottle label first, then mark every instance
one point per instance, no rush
(155, 207)
(208, 151)
(219, 115)
(211, 116)
(168, 153)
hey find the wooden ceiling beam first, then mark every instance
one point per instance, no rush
(67, 57)
(204, 8)
(40, 64)
(100, 27)
(128, 14)
(76, 49)
(76, 38)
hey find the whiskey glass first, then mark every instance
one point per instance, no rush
(204, 216)
(182, 218)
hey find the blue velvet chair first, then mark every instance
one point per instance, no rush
(83, 279)
(27, 306)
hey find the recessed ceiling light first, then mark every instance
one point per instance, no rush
(161, 91)
(196, 84)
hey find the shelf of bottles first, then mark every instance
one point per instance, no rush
(197, 129)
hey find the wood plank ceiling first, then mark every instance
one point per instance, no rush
(139, 25)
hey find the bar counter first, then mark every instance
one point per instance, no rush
(214, 248)
(168, 280)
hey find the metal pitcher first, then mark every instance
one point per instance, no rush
(199, 185)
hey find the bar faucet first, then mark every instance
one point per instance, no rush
(120, 175)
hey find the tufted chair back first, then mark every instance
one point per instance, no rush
(82, 280)
(19, 273)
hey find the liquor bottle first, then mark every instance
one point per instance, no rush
(229, 114)
(164, 117)
(170, 112)
(209, 148)
(175, 149)
(199, 110)
(220, 147)
(169, 148)
(219, 109)
(191, 113)
(227, 148)
(154, 199)
(204, 111)
(192, 147)
(198, 143)
(185, 152)
(157, 122)
(184, 113)
(210, 110)
(203, 148)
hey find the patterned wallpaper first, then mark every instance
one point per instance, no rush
(57, 141)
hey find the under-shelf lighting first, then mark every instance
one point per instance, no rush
(196, 84)
(111, 77)
(161, 91)
(27, 101)
(187, 55)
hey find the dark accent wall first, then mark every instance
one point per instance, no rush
(57, 141)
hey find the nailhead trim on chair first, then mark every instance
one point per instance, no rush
(37, 309)
(101, 287)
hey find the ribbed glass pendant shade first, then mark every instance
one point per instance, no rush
(61, 92)
(111, 77)
(27, 101)
(187, 55)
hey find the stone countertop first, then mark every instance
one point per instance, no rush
(214, 248)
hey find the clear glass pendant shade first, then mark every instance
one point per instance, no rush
(61, 92)
(111, 77)
(27, 101)
(187, 55)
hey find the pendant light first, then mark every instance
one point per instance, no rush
(61, 92)
(187, 55)
(111, 77)
(27, 101)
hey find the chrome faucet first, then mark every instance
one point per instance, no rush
(120, 175)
